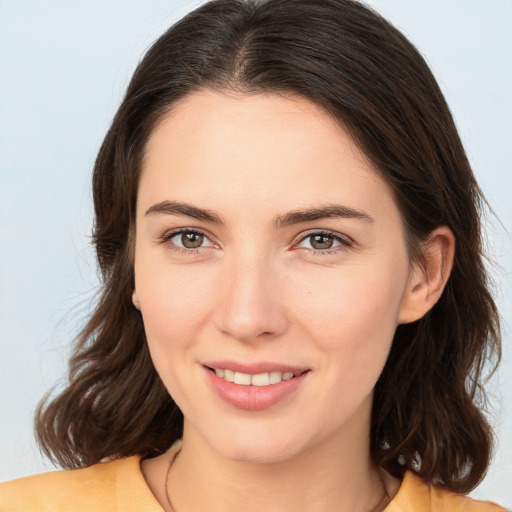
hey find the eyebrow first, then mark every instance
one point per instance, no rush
(298, 216)
(330, 211)
(184, 209)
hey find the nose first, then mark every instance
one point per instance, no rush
(251, 305)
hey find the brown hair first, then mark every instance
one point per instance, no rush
(368, 76)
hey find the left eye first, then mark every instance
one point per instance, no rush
(323, 241)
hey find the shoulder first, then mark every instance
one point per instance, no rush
(414, 494)
(93, 488)
(443, 500)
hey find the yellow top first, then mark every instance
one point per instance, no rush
(119, 486)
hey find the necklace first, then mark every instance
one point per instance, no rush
(382, 504)
(379, 507)
(171, 462)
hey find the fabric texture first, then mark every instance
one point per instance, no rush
(119, 486)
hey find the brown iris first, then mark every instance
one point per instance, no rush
(321, 241)
(192, 240)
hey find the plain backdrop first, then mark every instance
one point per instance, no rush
(64, 66)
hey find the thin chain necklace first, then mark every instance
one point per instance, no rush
(382, 504)
(379, 507)
(171, 462)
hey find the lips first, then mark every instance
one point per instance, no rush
(254, 386)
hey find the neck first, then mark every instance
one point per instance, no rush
(334, 474)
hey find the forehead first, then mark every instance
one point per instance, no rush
(226, 120)
(262, 149)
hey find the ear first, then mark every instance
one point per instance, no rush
(427, 281)
(135, 300)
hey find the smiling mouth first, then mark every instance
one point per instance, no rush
(259, 379)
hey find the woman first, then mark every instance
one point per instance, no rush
(288, 231)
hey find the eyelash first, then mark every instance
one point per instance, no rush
(344, 241)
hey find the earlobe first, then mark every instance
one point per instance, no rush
(135, 300)
(427, 281)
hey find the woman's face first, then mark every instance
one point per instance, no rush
(266, 246)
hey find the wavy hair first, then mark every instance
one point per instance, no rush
(427, 412)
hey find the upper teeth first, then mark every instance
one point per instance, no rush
(246, 379)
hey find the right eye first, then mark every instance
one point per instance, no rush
(186, 240)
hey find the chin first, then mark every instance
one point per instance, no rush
(256, 446)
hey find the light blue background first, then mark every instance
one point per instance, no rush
(64, 66)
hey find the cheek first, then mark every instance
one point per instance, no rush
(174, 302)
(366, 297)
(174, 306)
(352, 315)
(352, 325)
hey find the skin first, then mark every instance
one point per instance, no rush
(254, 291)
